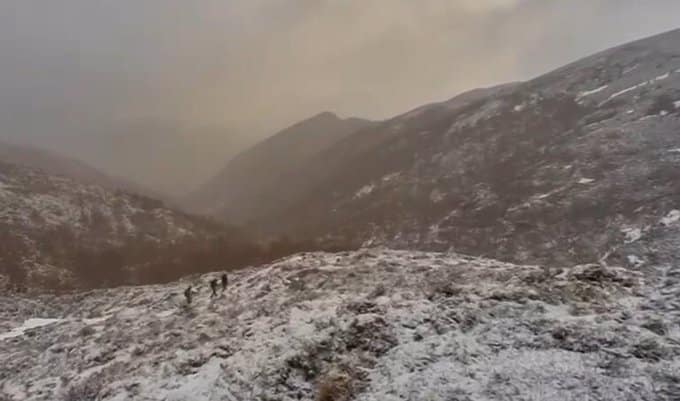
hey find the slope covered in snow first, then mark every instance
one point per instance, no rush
(67, 167)
(545, 171)
(370, 325)
(48, 221)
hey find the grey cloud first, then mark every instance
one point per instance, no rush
(252, 66)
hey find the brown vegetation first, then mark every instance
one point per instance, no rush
(140, 260)
(334, 387)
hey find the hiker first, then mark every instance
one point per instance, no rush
(213, 287)
(225, 281)
(187, 294)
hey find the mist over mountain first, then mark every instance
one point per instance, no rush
(201, 81)
(168, 159)
(64, 166)
(272, 174)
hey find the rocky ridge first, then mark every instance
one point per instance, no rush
(374, 324)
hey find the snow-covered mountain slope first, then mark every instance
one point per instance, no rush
(374, 325)
(45, 220)
(269, 176)
(60, 165)
(547, 171)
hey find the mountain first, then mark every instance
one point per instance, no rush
(371, 325)
(64, 166)
(58, 232)
(271, 175)
(558, 170)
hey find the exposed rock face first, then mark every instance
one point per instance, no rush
(271, 175)
(546, 171)
(44, 218)
(371, 325)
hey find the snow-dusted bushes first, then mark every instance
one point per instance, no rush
(503, 332)
(86, 390)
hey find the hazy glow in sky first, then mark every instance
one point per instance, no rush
(253, 66)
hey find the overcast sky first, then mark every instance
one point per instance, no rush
(252, 66)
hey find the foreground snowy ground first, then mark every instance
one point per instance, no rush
(366, 325)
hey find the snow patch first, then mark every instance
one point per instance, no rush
(484, 112)
(632, 234)
(365, 190)
(28, 325)
(640, 85)
(672, 217)
(547, 194)
(437, 196)
(676, 104)
(635, 260)
(390, 177)
(623, 92)
(591, 92)
(631, 69)
(586, 181)
(165, 314)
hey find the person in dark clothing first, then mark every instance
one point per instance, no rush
(187, 294)
(213, 287)
(225, 281)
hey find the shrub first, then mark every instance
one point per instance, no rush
(334, 387)
(86, 390)
(87, 331)
(662, 103)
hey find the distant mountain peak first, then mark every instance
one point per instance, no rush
(57, 164)
(251, 184)
(325, 115)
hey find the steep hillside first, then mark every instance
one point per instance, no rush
(64, 166)
(271, 175)
(372, 325)
(554, 170)
(47, 222)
